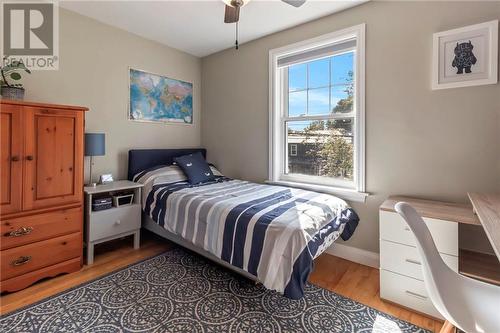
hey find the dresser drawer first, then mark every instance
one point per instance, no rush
(114, 221)
(23, 259)
(445, 234)
(404, 259)
(30, 229)
(406, 291)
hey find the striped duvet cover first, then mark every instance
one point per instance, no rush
(272, 232)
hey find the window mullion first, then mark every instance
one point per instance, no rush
(330, 85)
(283, 127)
(320, 117)
(343, 115)
(307, 89)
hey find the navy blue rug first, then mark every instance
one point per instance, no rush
(179, 291)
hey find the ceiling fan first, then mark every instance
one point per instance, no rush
(232, 11)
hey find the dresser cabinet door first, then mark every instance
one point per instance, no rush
(11, 166)
(53, 157)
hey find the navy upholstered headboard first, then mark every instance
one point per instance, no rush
(141, 159)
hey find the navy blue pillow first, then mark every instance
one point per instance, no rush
(195, 167)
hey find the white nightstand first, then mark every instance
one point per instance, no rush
(116, 222)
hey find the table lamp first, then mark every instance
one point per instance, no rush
(94, 146)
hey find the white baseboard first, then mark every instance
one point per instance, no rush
(360, 256)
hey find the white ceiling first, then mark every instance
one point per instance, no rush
(197, 27)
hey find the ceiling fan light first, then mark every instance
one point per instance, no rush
(233, 3)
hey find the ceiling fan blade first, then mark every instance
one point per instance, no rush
(295, 3)
(232, 14)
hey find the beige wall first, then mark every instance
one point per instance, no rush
(432, 144)
(93, 72)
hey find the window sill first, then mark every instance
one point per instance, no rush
(346, 194)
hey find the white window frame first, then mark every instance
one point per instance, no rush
(277, 105)
(293, 149)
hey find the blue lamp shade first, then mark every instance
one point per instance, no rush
(94, 144)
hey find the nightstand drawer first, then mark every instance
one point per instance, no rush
(445, 233)
(111, 222)
(406, 291)
(29, 229)
(406, 260)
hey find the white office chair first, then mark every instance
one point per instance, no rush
(470, 305)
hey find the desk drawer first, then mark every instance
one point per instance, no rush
(30, 229)
(445, 233)
(406, 291)
(111, 222)
(404, 259)
(27, 258)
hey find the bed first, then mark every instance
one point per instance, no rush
(270, 234)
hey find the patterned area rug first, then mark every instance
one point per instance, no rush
(179, 291)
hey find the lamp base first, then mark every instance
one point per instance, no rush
(91, 184)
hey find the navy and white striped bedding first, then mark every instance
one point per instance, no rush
(272, 232)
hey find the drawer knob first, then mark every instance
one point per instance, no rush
(21, 261)
(411, 293)
(411, 261)
(19, 232)
(29, 158)
(118, 222)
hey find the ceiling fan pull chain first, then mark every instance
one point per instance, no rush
(236, 43)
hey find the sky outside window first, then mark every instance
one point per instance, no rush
(297, 77)
(316, 87)
(319, 73)
(341, 65)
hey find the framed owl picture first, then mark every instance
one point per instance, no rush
(466, 56)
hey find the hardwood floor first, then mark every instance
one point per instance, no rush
(361, 283)
(344, 277)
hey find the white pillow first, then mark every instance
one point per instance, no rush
(215, 171)
(160, 174)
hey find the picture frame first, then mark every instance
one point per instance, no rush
(160, 99)
(106, 178)
(466, 56)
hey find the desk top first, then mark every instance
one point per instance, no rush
(113, 186)
(487, 208)
(446, 211)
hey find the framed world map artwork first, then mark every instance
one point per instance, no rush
(156, 98)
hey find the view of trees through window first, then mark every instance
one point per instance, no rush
(324, 91)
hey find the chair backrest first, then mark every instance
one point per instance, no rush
(438, 277)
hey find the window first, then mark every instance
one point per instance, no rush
(317, 113)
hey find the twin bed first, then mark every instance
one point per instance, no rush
(267, 233)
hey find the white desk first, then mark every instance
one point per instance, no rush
(487, 208)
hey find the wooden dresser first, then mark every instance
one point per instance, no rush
(41, 199)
